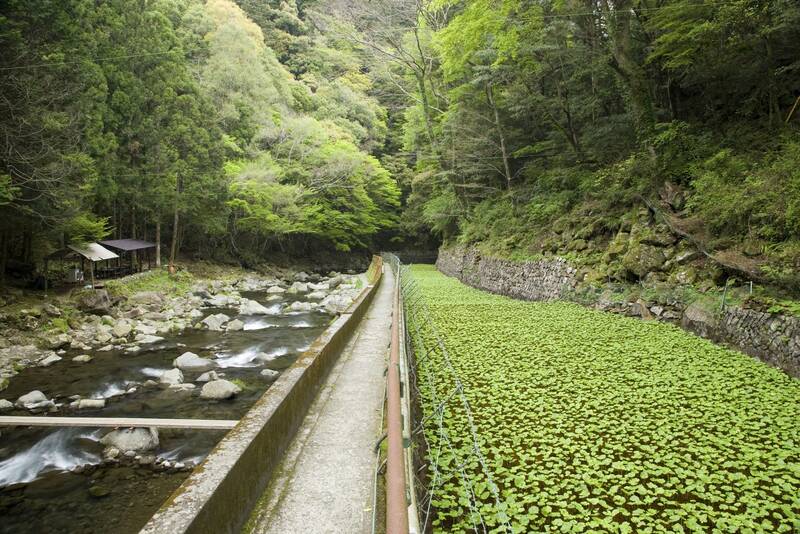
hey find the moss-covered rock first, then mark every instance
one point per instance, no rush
(577, 245)
(642, 259)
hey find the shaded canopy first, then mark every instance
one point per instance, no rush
(128, 245)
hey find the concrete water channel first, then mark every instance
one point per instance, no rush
(57, 480)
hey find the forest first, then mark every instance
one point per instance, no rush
(237, 129)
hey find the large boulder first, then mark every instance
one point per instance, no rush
(219, 389)
(95, 301)
(216, 321)
(191, 362)
(132, 439)
(35, 401)
(251, 307)
(642, 259)
(700, 317)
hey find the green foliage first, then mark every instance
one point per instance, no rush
(601, 422)
(158, 280)
(735, 196)
(85, 227)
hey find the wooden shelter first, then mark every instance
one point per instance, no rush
(93, 252)
(130, 248)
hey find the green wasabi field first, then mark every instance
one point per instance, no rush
(593, 422)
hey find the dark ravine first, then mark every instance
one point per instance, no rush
(773, 338)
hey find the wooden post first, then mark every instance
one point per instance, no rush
(91, 272)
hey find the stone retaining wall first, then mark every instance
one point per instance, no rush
(774, 339)
(545, 279)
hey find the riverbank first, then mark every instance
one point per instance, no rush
(132, 312)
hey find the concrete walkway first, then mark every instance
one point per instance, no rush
(324, 484)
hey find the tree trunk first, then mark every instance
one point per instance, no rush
(158, 242)
(503, 151)
(631, 72)
(174, 248)
(3, 256)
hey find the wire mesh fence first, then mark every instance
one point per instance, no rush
(454, 480)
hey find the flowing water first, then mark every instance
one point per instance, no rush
(55, 480)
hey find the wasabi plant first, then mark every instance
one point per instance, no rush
(594, 422)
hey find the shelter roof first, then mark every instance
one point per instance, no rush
(128, 244)
(90, 251)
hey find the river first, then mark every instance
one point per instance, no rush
(56, 480)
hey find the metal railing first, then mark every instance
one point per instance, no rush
(437, 459)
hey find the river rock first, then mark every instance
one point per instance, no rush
(219, 389)
(220, 301)
(336, 303)
(270, 374)
(58, 341)
(323, 286)
(234, 325)
(207, 376)
(335, 281)
(298, 287)
(300, 276)
(265, 357)
(182, 387)
(88, 404)
(215, 322)
(316, 295)
(121, 329)
(300, 307)
(99, 492)
(95, 301)
(146, 298)
(144, 339)
(51, 310)
(251, 307)
(47, 361)
(105, 348)
(35, 400)
(132, 439)
(189, 361)
(83, 358)
(6, 405)
(146, 329)
(103, 337)
(173, 376)
(276, 290)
